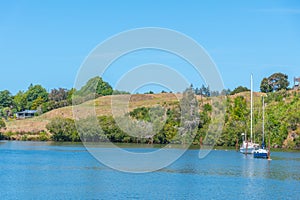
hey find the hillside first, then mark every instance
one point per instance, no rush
(282, 116)
(102, 107)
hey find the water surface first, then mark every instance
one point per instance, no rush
(41, 170)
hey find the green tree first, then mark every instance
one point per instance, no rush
(37, 102)
(279, 81)
(70, 95)
(6, 99)
(150, 92)
(6, 112)
(2, 124)
(58, 95)
(103, 88)
(239, 89)
(189, 116)
(225, 92)
(236, 118)
(63, 130)
(20, 101)
(117, 92)
(265, 86)
(275, 82)
(239, 109)
(89, 130)
(34, 92)
(141, 113)
(95, 86)
(204, 91)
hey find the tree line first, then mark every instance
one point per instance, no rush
(37, 98)
(273, 83)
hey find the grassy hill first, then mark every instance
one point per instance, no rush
(282, 116)
(102, 107)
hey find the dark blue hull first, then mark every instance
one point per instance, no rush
(260, 155)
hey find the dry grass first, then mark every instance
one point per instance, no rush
(102, 106)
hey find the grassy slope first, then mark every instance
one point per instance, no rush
(102, 107)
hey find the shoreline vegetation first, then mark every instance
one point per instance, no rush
(54, 120)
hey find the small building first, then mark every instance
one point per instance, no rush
(25, 114)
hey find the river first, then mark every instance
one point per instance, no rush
(43, 170)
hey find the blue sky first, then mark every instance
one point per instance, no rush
(45, 42)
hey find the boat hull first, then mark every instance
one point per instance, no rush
(260, 153)
(248, 147)
(247, 150)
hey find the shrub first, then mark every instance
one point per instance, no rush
(63, 130)
(2, 124)
(43, 136)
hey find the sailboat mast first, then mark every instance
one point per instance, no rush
(263, 125)
(251, 84)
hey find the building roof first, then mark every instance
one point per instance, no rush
(27, 111)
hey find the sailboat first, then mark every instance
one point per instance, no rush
(248, 147)
(262, 152)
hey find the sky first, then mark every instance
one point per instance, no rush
(46, 42)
